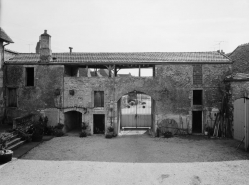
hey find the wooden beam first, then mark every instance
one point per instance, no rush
(109, 69)
(115, 71)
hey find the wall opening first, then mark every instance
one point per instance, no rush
(197, 121)
(30, 75)
(73, 120)
(197, 97)
(71, 71)
(98, 124)
(135, 111)
(98, 98)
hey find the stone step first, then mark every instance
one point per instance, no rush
(13, 141)
(16, 145)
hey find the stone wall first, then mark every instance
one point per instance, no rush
(171, 90)
(240, 89)
(48, 79)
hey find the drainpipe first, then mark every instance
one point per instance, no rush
(4, 83)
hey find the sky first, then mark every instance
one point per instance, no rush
(127, 25)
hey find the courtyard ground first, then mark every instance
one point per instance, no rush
(130, 159)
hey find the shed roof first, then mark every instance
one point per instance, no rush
(124, 58)
(5, 37)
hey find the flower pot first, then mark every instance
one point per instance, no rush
(5, 156)
(37, 138)
(109, 135)
(167, 134)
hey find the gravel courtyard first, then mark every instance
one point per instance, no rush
(192, 160)
(139, 149)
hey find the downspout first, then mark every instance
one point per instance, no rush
(4, 84)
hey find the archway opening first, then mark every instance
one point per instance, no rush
(135, 111)
(73, 120)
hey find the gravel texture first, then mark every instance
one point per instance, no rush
(130, 160)
(139, 149)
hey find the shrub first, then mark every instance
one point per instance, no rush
(83, 134)
(58, 132)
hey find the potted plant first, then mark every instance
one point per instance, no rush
(208, 130)
(84, 128)
(167, 134)
(5, 155)
(38, 132)
(110, 132)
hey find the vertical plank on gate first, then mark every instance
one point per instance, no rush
(247, 125)
(239, 119)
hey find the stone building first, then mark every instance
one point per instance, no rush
(71, 88)
(4, 40)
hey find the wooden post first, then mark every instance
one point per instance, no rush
(87, 71)
(154, 71)
(109, 68)
(115, 71)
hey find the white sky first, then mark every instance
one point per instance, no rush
(127, 25)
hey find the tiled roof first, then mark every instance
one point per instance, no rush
(240, 56)
(124, 58)
(10, 51)
(5, 37)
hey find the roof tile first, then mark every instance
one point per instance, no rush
(143, 57)
(4, 36)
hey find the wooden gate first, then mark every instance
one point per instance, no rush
(241, 120)
(136, 110)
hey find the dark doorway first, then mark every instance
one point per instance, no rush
(197, 121)
(73, 120)
(98, 124)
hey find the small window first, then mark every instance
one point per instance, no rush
(98, 98)
(12, 97)
(30, 76)
(197, 97)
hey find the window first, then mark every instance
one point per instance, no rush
(197, 97)
(197, 74)
(30, 76)
(98, 98)
(12, 97)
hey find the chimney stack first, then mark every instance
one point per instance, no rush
(71, 49)
(45, 47)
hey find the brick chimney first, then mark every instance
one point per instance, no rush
(45, 47)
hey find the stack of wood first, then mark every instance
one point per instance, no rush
(223, 120)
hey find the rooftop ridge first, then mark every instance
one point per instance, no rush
(5, 49)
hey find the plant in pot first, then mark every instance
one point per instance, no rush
(110, 132)
(167, 134)
(84, 128)
(208, 130)
(38, 132)
(5, 155)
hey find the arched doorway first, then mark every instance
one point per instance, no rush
(136, 111)
(72, 120)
